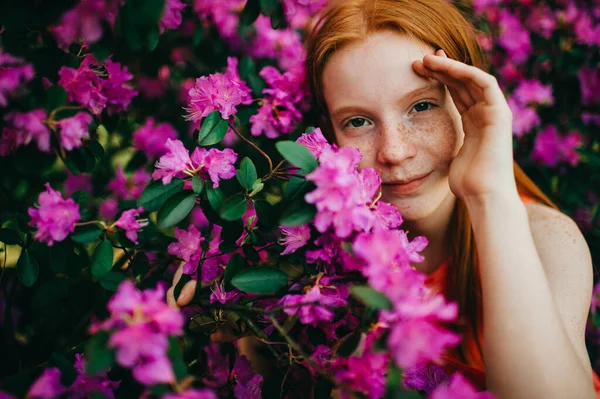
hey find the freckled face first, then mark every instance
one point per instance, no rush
(405, 126)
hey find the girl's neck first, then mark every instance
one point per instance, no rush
(435, 228)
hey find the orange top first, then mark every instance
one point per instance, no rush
(474, 368)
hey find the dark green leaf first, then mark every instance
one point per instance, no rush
(245, 67)
(235, 265)
(111, 281)
(152, 38)
(98, 356)
(180, 284)
(102, 260)
(233, 208)
(56, 96)
(96, 149)
(371, 297)
(176, 209)
(297, 155)
(141, 265)
(85, 234)
(268, 7)
(296, 188)
(59, 253)
(213, 129)
(261, 280)
(197, 184)
(175, 355)
(267, 216)
(349, 344)
(246, 174)
(298, 213)
(215, 197)
(156, 194)
(27, 269)
(9, 237)
(250, 13)
(67, 371)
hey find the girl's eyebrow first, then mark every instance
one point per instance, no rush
(437, 86)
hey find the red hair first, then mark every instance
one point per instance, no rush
(439, 24)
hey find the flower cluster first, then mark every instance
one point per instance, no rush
(14, 72)
(214, 164)
(140, 324)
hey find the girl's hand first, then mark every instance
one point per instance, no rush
(484, 164)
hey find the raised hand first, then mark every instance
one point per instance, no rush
(484, 164)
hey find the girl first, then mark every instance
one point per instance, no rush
(404, 81)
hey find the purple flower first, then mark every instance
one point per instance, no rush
(524, 118)
(314, 141)
(8, 141)
(533, 91)
(248, 384)
(28, 126)
(84, 384)
(546, 149)
(220, 295)
(129, 188)
(47, 386)
(365, 374)
(128, 222)
(459, 387)
(187, 247)
(218, 164)
(151, 139)
(294, 238)
(73, 130)
(13, 73)
(115, 87)
(424, 378)
(542, 20)
(108, 209)
(222, 92)
(55, 217)
(589, 83)
(83, 85)
(313, 312)
(192, 394)
(78, 182)
(172, 15)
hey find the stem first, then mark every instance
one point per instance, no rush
(63, 108)
(254, 146)
(260, 334)
(88, 223)
(3, 265)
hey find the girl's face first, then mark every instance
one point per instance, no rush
(406, 126)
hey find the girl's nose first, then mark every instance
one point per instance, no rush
(394, 144)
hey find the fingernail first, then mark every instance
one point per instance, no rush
(443, 53)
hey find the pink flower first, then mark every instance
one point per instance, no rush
(108, 209)
(314, 141)
(294, 238)
(172, 15)
(542, 20)
(173, 163)
(13, 73)
(29, 126)
(129, 188)
(128, 222)
(192, 394)
(55, 217)
(514, 38)
(533, 91)
(547, 147)
(570, 143)
(151, 139)
(366, 374)
(524, 118)
(73, 130)
(222, 92)
(248, 384)
(220, 295)
(218, 164)
(459, 387)
(8, 141)
(83, 85)
(187, 247)
(85, 384)
(311, 313)
(115, 87)
(47, 386)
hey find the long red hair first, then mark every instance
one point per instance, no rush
(439, 24)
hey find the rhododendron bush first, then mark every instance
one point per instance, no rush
(142, 136)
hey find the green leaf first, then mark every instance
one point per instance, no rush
(155, 195)
(261, 280)
(96, 149)
(9, 237)
(59, 253)
(85, 234)
(245, 67)
(197, 184)
(27, 269)
(111, 281)
(180, 284)
(349, 344)
(152, 38)
(246, 174)
(298, 213)
(102, 260)
(176, 209)
(266, 213)
(215, 197)
(296, 188)
(235, 265)
(250, 13)
(213, 129)
(98, 356)
(268, 7)
(55, 97)
(68, 373)
(141, 265)
(297, 155)
(371, 297)
(233, 208)
(257, 187)
(175, 355)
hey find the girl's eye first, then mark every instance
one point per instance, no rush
(424, 106)
(356, 122)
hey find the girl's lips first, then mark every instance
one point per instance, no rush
(407, 188)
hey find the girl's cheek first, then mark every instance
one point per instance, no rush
(440, 136)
